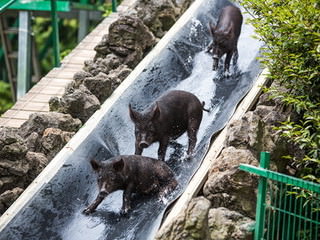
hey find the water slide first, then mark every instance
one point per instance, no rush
(51, 208)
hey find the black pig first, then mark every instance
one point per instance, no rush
(133, 174)
(169, 117)
(225, 37)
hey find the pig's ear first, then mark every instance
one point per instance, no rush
(95, 165)
(156, 112)
(212, 28)
(133, 114)
(118, 165)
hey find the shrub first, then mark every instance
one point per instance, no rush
(5, 97)
(291, 31)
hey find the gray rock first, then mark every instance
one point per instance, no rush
(191, 224)
(8, 197)
(17, 168)
(234, 189)
(12, 145)
(225, 224)
(158, 15)
(116, 76)
(79, 103)
(33, 142)
(128, 38)
(53, 140)
(99, 85)
(231, 157)
(91, 66)
(8, 182)
(246, 133)
(79, 77)
(37, 162)
(38, 122)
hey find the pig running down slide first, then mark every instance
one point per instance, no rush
(133, 174)
(168, 117)
(225, 37)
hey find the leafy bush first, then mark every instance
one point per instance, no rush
(5, 97)
(291, 31)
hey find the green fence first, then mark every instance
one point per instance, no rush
(288, 208)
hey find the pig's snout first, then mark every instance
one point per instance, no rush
(143, 144)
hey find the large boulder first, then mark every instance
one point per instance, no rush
(229, 187)
(79, 103)
(246, 132)
(160, 15)
(231, 157)
(191, 224)
(128, 38)
(225, 224)
(233, 189)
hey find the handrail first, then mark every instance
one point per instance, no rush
(6, 5)
(279, 177)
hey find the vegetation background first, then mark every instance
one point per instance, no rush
(291, 31)
(41, 29)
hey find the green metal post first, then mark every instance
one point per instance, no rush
(114, 5)
(261, 198)
(55, 30)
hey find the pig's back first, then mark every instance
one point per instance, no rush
(178, 101)
(230, 15)
(147, 173)
(176, 108)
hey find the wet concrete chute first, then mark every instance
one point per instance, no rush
(51, 208)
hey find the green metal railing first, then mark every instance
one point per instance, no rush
(288, 208)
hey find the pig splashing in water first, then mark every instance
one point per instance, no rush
(133, 174)
(169, 117)
(225, 37)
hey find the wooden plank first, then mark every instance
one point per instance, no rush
(54, 82)
(17, 114)
(31, 106)
(200, 176)
(8, 122)
(39, 98)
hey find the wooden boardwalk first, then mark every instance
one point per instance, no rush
(54, 83)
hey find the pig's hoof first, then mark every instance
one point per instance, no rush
(124, 212)
(227, 74)
(87, 211)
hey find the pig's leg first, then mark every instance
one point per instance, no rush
(164, 141)
(96, 202)
(192, 134)
(138, 150)
(126, 205)
(227, 63)
(209, 48)
(235, 56)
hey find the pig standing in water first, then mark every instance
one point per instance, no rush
(133, 174)
(225, 37)
(169, 117)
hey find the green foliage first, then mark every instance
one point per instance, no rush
(291, 31)
(5, 97)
